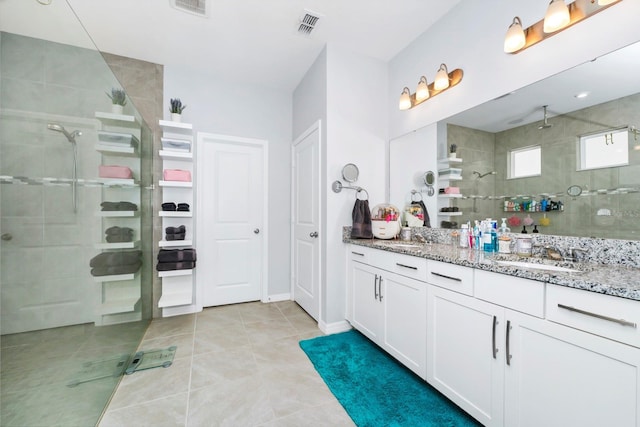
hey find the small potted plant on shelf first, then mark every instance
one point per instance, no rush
(175, 109)
(452, 151)
(118, 100)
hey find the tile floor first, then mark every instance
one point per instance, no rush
(236, 365)
(37, 367)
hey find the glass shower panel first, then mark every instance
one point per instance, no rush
(72, 311)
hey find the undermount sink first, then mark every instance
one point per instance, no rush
(536, 266)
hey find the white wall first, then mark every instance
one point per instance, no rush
(356, 133)
(348, 93)
(471, 37)
(243, 110)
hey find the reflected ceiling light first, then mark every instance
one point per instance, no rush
(443, 81)
(405, 99)
(559, 17)
(581, 95)
(422, 91)
(442, 78)
(515, 38)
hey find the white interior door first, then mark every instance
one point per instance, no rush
(230, 219)
(306, 237)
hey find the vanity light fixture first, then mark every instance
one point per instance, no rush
(559, 17)
(405, 99)
(422, 91)
(515, 38)
(443, 81)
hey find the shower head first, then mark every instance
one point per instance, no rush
(545, 124)
(482, 175)
(71, 137)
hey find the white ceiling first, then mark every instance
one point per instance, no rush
(246, 40)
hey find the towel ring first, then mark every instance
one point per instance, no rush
(413, 193)
(360, 190)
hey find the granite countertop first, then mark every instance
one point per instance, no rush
(616, 280)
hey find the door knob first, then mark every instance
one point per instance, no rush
(256, 231)
(7, 236)
(314, 234)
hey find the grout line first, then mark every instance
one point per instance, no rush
(193, 345)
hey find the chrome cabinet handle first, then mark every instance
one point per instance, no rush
(256, 231)
(599, 316)
(446, 277)
(375, 287)
(314, 234)
(380, 289)
(357, 253)
(493, 337)
(406, 266)
(508, 357)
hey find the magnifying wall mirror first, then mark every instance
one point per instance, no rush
(350, 173)
(429, 179)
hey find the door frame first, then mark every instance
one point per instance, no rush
(205, 137)
(321, 241)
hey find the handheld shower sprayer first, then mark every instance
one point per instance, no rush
(482, 175)
(71, 137)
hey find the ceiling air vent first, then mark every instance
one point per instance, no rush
(308, 22)
(196, 7)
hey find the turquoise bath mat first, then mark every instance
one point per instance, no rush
(375, 389)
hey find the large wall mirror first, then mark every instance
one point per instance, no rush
(595, 101)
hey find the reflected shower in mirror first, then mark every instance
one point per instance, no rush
(579, 101)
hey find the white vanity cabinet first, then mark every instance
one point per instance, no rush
(559, 376)
(387, 307)
(497, 357)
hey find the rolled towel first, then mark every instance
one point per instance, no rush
(118, 231)
(169, 206)
(117, 269)
(109, 259)
(183, 207)
(118, 238)
(169, 266)
(176, 230)
(177, 236)
(176, 255)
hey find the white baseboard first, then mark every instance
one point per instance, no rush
(278, 297)
(335, 327)
(180, 310)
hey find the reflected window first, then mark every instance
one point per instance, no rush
(525, 162)
(604, 149)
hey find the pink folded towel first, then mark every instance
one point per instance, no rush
(177, 175)
(451, 190)
(121, 172)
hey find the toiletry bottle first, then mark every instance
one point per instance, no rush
(494, 236)
(524, 229)
(487, 243)
(476, 235)
(464, 236)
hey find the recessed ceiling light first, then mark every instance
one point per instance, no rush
(581, 95)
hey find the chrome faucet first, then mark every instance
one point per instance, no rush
(573, 252)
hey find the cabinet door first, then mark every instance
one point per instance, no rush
(465, 356)
(559, 376)
(405, 332)
(367, 308)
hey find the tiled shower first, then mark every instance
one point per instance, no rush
(55, 329)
